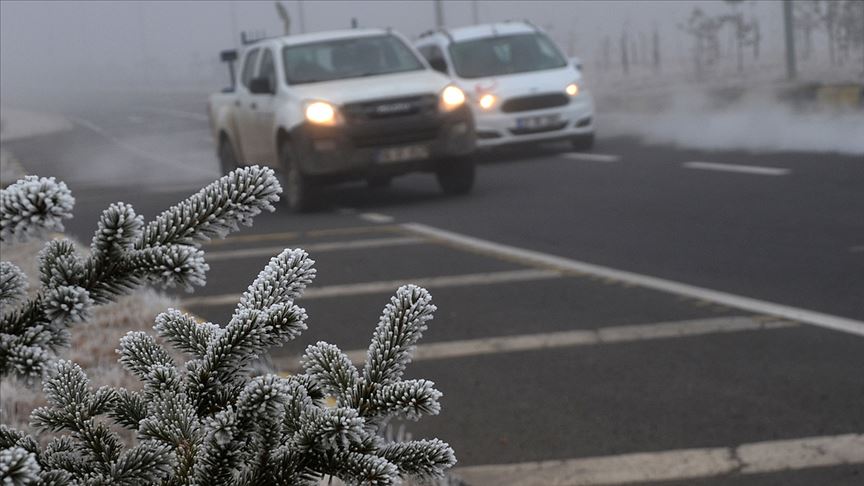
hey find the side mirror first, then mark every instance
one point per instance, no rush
(438, 64)
(578, 66)
(228, 56)
(260, 86)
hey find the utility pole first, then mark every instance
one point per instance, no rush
(439, 14)
(791, 71)
(475, 13)
(301, 16)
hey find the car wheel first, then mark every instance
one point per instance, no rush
(299, 191)
(583, 142)
(456, 175)
(227, 157)
(378, 182)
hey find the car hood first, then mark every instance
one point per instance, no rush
(521, 84)
(343, 91)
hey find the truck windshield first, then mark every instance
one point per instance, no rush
(348, 58)
(506, 54)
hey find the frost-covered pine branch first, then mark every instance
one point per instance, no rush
(211, 420)
(124, 254)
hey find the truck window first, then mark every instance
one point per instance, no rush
(249, 67)
(496, 56)
(348, 58)
(267, 69)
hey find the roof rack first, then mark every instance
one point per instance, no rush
(247, 38)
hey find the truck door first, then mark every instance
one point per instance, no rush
(246, 107)
(262, 114)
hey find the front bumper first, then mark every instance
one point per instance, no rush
(351, 150)
(495, 128)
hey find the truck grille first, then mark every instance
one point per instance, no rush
(390, 108)
(534, 102)
(381, 139)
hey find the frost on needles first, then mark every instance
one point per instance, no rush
(124, 254)
(211, 421)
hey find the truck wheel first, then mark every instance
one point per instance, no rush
(583, 142)
(456, 175)
(300, 191)
(227, 158)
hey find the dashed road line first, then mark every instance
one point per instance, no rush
(390, 286)
(562, 264)
(316, 247)
(580, 337)
(591, 157)
(744, 169)
(376, 218)
(682, 464)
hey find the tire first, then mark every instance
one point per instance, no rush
(583, 142)
(456, 175)
(227, 156)
(379, 182)
(299, 190)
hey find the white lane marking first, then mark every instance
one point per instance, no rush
(591, 157)
(376, 218)
(315, 247)
(745, 169)
(120, 143)
(682, 464)
(390, 286)
(176, 113)
(546, 260)
(293, 235)
(580, 337)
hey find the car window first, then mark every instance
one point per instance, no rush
(496, 56)
(249, 67)
(348, 58)
(267, 69)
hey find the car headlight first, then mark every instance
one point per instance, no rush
(487, 101)
(452, 98)
(322, 113)
(573, 89)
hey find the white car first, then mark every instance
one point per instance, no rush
(335, 106)
(520, 86)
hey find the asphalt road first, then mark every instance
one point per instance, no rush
(546, 359)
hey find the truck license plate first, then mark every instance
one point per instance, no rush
(401, 154)
(535, 122)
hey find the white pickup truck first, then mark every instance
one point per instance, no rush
(343, 105)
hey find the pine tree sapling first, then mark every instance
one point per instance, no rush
(211, 421)
(124, 254)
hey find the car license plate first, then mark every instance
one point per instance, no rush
(536, 122)
(402, 154)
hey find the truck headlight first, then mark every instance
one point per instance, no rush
(573, 89)
(322, 113)
(452, 98)
(487, 101)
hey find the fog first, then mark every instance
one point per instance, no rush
(53, 54)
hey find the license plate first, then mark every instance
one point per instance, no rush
(402, 154)
(535, 122)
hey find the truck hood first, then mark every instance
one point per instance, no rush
(522, 84)
(343, 91)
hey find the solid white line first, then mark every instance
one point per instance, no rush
(545, 260)
(293, 235)
(746, 169)
(376, 218)
(315, 247)
(682, 464)
(591, 157)
(390, 286)
(176, 113)
(580, 337)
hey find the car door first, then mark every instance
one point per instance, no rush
(262, 112)
(245, 107)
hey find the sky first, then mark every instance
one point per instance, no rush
(128, 42)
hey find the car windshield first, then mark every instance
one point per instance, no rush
(508, 54)
(348, 58)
